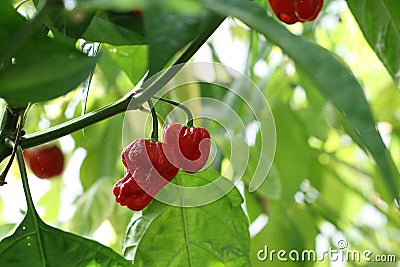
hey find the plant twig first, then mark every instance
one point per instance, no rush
(14, 150)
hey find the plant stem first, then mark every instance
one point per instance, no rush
(189, 115)
(154, 132)
(24, 177)
(38, 138)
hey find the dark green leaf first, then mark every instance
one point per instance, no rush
(36, 244)
(39, 79)
(168, 32)
(116, 29)
(70, 22)
(334, 81)
(215, 234)
(380, 24)
(10, 21)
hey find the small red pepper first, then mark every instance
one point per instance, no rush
(189, 147)
(45, 161)
(292, 11)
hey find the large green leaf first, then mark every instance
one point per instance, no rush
(334, 81)
(215, 234)
(35, 243)
(380, 23)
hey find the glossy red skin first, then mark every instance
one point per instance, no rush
(128, 193)
(189, 148)
(292, 11)
(147, 171)
(148, 156)
(45, 162)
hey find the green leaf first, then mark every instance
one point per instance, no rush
(131, 59)
(290, 227)
(10, 20)
(123, 5)
(70, 23)
(116, 29)
(38, 68)
(93, 207)
(40, 79)
(334, 81)
(103, 154)
(35, 243)
(215, 234)
(169, 31)
(380, 23)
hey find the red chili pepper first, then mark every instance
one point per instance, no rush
(147, 170)
(292, 11)
(188, 147)
(128, 193)
(45, 161)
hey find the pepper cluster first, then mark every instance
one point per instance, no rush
(150, 165)
(292, 11)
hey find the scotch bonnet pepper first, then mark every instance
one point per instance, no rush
(189, 147)
(147, 170)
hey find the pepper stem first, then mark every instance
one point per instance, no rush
(154, 133)
(189, 115)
